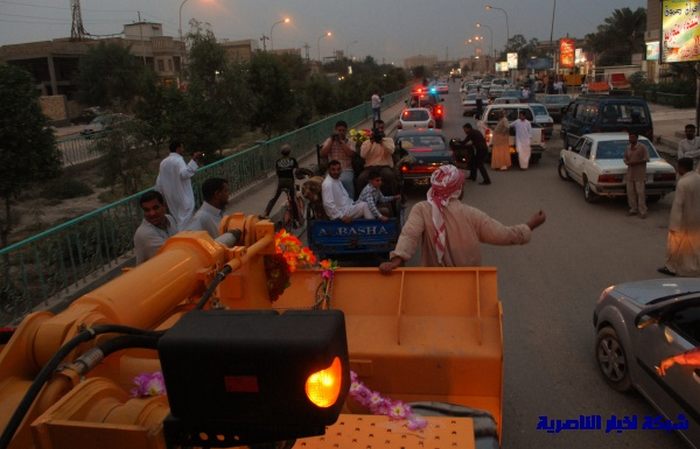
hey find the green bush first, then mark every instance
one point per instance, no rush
(65, 188)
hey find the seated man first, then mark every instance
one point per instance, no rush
(336, 201)
(373, 196)
(156, 227)
(215, 192)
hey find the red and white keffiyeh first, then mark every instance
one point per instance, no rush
(446, 183)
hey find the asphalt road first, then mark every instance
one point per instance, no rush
(548, 289)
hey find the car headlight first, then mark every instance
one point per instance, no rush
(604, 294)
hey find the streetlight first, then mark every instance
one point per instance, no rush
(285, 20)
(489, 8)
(318, 42)
(479, 25)
(180, 29)
(347, 49)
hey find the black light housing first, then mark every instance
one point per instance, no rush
(239, 377)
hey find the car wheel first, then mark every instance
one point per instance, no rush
(563, 174)
(612, 360)
(588, 194)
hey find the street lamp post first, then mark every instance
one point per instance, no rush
(285, 20)
(180, 15)
(479, 25)
(489, 8)
(318, 42)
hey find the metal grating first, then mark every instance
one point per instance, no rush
(379, 432)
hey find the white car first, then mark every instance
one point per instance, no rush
(443, 87)
(491, 116)
(543, 118)
(416, 118)
(595, 162)
(469, 104)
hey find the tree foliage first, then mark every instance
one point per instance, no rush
(618, 37)
(28, 154)
(110, 76)
(124, 161)
(273, 97)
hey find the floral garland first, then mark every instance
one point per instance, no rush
(360, 135)
(148, 385)
(380, 405)
(290, 254)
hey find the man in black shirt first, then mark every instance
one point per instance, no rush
(475, 138)
(284, 167)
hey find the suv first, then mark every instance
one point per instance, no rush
(492, 114)
(593, 114)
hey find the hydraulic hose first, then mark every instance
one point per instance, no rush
(48, 369)
(220, 276)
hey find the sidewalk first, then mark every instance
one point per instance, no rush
(253, 199)
(668, 126)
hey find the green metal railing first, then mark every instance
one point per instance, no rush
(69, 255)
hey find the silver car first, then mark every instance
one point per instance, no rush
(596, 163)
(641, 327)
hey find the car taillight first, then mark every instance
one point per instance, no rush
(431, 124)
(662, 177)
(404, 168)
(609, 178)
(487, 135)
(438, 111)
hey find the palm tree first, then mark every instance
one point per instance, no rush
(619, 36)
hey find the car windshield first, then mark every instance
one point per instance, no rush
(434, 142)
(494, 114)
(615, 149)
(415, 115)
(539, 109)
(470, 97)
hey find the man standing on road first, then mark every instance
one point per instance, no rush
(475, 138)
(215, 192)
(339, 148)
(479, 103)
(690, 146)
(444, 218)
(284, 167)
(376, 101)
(523, 129)
(336, 201)
(155, 228)
(175, 182)
(636, 158)
(683, 241)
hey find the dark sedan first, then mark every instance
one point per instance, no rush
(421, 152)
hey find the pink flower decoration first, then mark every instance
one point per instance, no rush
(399, 410)
(148, 384)
(416, 422)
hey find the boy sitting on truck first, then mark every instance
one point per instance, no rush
(373, 196)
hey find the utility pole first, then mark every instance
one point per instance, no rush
(306, 50)
(264, 39)
(77, 31)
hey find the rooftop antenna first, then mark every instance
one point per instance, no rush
(77, 31)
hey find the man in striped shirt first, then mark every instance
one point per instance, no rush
(372, 194)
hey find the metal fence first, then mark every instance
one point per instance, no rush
(77, 150)
(36, 269)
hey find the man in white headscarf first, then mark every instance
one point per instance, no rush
(450, 231)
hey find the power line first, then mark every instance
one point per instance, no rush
(34, 5)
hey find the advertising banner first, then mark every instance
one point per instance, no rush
(680, 31)
(502, 66)
(567, 53)
(652, 51)
(579, 57)
(512, 60)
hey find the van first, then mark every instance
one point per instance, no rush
(593, 114)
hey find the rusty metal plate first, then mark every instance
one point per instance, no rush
(379, 432)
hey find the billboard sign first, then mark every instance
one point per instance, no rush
(579, 57)
(567, 53)
(502, 66)
(680, 30)
(652, 51)
(512, 60)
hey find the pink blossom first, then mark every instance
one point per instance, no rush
(148, 384)
(399, 410)
(416, 422)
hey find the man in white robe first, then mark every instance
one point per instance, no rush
(683, 242)
(175, 183)
(522, 140)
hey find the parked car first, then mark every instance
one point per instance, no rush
(556, 104)
(87, 115)
(501, 82)
(103, 123)
(639, 325)
(543, 119)
(604, 114)
(515, 93)
(415, 118)
(496, 91)
(443, 87)
(507, 100)
(492, 115)
(421, 152)
(595, 162)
